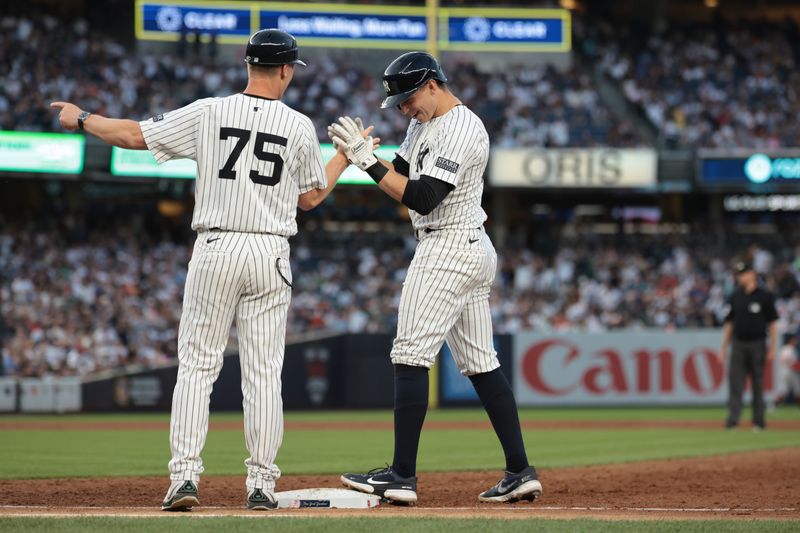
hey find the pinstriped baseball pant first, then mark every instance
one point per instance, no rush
(245, 277)
(446, 297)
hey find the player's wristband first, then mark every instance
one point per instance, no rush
(377, 172)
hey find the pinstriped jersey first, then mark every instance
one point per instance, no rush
(254, 157)
(453, 148)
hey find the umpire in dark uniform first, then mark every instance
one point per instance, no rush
(751, 319)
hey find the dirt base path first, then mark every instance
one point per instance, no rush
(753, 485)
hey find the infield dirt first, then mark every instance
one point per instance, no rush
(753, 485)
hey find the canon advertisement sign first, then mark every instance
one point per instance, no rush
(642, 368)
(574, 168)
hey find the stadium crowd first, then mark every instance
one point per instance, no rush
(717, 84)
(115, 298)
(46, 59)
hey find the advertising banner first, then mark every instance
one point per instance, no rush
(338, 25)
(338, 372)
(313, 24)
(56, 153)
(142, 163)
(8, 395)
(167, 21)
(743, 169)
(621, 368)
(126, 162)
(764, 202)
(346, 26)
(50, 394)
(573, 168)
(507, 30)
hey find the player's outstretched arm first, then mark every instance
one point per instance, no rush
(118, 132)
(333, 171)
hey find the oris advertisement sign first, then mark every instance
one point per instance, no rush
(574, 168)
(644, 368)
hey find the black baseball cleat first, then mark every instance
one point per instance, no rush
(514, 487)
(258, 500)
(384, 482)
(181, 497)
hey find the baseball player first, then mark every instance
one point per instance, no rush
(258, 160)
(438, 174)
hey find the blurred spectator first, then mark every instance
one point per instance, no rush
(540, 106)
(115, 298)
(718, 84)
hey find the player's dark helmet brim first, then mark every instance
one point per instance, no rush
(407, 74)
(396, 100)
(272, 47)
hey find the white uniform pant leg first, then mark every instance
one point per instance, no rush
(261, 323)
(210, 296)
(438, 285)
(471, 340)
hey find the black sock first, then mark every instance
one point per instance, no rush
(498, 400)
(410, 406)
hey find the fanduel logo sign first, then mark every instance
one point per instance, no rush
(760, 168)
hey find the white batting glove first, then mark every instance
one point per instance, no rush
(346, 135)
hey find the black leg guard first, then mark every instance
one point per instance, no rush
(498, 399)
(410, 406)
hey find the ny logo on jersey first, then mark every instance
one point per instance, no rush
(423, 153)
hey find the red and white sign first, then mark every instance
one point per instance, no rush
(624, 367)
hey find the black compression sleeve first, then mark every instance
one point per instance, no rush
(424, 194)
(401, 166)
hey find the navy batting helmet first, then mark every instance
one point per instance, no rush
(272, 47)
(408, 73)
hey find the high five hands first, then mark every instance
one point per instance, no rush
(350, 136)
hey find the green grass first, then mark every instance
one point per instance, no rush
(468, 414)
(73, 453)
(198, 524)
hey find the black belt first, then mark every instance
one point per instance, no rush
(249, 232)
(425, 230)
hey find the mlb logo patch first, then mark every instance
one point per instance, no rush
(158, 117)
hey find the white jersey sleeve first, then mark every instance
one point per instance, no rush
(451, 149)
(309, 166)
(173, 135)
